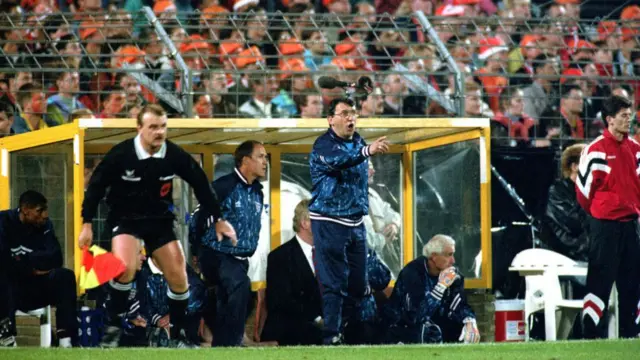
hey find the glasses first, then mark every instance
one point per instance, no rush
(347, 113)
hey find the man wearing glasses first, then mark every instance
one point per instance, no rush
(339, 174)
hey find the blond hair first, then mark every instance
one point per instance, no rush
(300, 213)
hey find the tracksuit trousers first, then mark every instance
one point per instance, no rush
(340, 257)
(614, 256)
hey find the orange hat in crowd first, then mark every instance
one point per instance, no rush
(466, 2)
(630, 13)
(450, 10)
(229, 49)
(88, 28)
(247, 57)
(291, 66)
(606, 29)
(345, 47)
(213, 12)
(529, 39)
(326, 3)
(290, 47)
(566, 2)
(345, 63)
(575, 46)
(490, 46)
(570, 74)
(129, 54)
(195, 42)
(164, 6)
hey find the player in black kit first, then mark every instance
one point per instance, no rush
(139, 173)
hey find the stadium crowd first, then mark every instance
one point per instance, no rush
(540, 73)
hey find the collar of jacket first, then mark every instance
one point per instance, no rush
(243, 180)
(610, 136)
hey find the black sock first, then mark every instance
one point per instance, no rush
(177, 311)
(117, 301)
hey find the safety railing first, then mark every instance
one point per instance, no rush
(526, 73)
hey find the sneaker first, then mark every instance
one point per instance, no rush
(111, 337)
(336, 340)
(7, 339)
(182, 342)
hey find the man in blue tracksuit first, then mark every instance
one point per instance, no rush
(339, 174)
(223, 263)
(428, 304)
(152, 287)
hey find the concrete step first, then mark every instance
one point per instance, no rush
(28, 328)
(28, 341)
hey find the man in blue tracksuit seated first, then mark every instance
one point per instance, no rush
(223, 263)
(339, 174)
(428, 304)
(153, 287)
(363, 328)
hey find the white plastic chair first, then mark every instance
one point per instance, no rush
(541, 269)
(44, 314)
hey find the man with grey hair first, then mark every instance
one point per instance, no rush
(428, 304)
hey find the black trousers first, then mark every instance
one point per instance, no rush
(233, 293)
(288, 332)
(57, 288)
(614, 256)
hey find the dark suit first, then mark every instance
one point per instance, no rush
(293, 298)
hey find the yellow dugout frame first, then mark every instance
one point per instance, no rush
(280, 136)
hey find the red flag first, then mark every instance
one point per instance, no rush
(98, 267)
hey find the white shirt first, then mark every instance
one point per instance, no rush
(307, 250)
(153, 267)
(380, 215)
(143, 154)
(265, 108)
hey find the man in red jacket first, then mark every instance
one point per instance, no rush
(608, 188)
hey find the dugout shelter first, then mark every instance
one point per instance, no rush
(437, 175)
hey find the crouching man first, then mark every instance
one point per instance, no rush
(428, 304)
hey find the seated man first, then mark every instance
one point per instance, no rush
(31, 272)
(428, 304)
(294, 312)
(134, 325)
(153, 287)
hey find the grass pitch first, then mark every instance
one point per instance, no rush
(590, 350)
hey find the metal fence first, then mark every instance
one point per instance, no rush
(542, 80)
